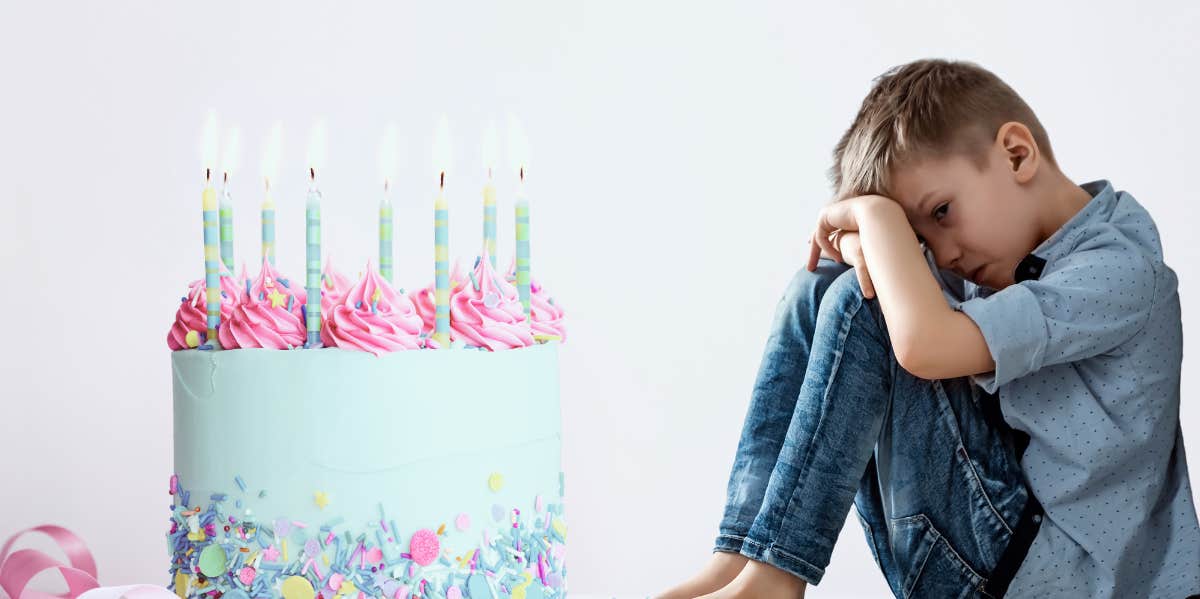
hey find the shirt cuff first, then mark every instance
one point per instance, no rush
(1014, 329)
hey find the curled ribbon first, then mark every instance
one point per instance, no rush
(17, 569)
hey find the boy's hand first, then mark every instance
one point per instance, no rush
(849, 246)
(843, 216)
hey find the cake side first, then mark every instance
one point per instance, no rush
(434, 474)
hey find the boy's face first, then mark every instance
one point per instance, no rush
(980, 224)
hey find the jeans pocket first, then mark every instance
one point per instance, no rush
(928, 565)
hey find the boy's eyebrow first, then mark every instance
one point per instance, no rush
(925, 198)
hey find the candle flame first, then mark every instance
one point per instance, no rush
(441, 147)
(317, 141)
(518, 146)
(491, 143)
(232, 152)
(388, 156)
(208, 142)
(271, 154)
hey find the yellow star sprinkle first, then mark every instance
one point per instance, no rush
(277, 299)
(375, 296)
(321, 498)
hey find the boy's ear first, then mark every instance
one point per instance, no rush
(1020, 150)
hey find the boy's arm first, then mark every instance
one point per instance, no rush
(931, 340)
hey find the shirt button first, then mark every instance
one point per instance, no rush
(1037, 517)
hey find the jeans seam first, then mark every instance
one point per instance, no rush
(773, 548)
(834, 370)
(974, 472)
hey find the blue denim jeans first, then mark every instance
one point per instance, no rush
(834, 420)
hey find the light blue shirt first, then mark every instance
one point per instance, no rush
(1087, 364)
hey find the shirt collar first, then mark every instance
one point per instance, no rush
(1097, 209)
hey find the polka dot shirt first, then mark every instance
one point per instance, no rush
(1088, 350)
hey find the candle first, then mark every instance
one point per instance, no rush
(270, 167)
(520, 156)
(387, 162)
(441, 238)
(228, 162)
(489, 193)
(312, 216)
(212, 273)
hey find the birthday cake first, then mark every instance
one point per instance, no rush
(380, 463)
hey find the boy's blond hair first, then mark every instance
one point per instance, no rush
(928, 108)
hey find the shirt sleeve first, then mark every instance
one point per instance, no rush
(1087, 303)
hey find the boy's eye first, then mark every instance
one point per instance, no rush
(941, 211)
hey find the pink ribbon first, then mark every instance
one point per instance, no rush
(17, 569)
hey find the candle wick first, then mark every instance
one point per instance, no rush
(208, 174)
(312, 173)
(489, 172)
(267, 183)
(385, 185)
(225, 178)
(522, 174)
(442, 179)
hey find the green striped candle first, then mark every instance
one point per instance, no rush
(226, 220)
(385, 235)
(268, 227)
(522, 219)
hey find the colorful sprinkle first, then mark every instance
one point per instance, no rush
(495, 481)
(321, 498)
(463, 521)
(424, 546)
(246, 575)
(192, 338)
(212, 561)
(296, 587)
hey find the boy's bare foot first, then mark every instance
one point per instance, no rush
(719, 571)
(762, 581)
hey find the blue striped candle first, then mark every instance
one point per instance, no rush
(212, 264)
(441, 267)
(312, 304)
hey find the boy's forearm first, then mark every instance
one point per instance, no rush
(909, 296)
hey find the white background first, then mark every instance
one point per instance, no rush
(678, 159)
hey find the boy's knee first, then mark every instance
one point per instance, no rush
(811, 286)
(844, 286)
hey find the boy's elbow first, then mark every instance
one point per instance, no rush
(913, 357)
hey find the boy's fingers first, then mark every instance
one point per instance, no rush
(864, 278)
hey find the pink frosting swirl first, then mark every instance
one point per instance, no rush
(334, 286)
(547, 316)
(270, 315)
(192, 314)
(423, 299)
(374, 317)
(487, 313)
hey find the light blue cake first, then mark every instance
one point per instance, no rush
(331, 472)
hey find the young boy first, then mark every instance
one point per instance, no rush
(995, 387)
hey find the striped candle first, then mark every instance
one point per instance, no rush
(270, 166)
(312, 304)
(212, 258)
(385, 235)
(229, 160)
(268, 226)
(490, 150)
(489, 219)
(441, 266)
(226, 220)
(522, 219)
